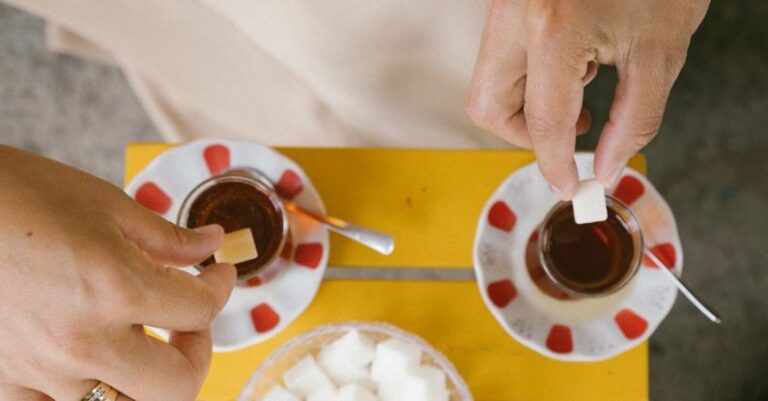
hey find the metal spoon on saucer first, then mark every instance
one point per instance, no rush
(376, 240)
(373, 239)
(707, 311)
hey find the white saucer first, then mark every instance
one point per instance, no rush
(256, 311)
(572, 330)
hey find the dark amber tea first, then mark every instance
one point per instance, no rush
(237, 202)
(590, 259)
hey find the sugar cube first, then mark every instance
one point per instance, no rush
(355, 347)
(393, 358)
(346, 360)
(425, 383)
(589, 202)
(238, 246)
(434, 376)
(278, 393)
(342, 373)
(306, 377)
(368, 383)
(391, 390)
(354, 392)
(324, 394)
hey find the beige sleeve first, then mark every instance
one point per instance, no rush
(196, 73)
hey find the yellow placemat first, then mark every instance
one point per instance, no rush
(430, 200)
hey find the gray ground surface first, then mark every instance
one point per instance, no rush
(710, 162)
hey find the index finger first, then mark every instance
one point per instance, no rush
(164, 241)
(553, 100)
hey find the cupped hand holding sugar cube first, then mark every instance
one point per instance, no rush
(355, 368)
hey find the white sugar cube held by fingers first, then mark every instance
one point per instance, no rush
(589, 202)
(306, 377)
(238, 247)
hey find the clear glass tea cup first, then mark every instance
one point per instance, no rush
(241, 198)
(589, 260)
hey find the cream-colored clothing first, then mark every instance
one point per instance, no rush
(288, 72)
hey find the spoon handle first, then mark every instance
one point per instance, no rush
(376, 240)
(707, 311)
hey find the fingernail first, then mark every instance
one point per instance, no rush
(210, 229)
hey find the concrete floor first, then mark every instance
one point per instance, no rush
(709, 161)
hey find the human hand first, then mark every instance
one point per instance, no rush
(536, 57)
(82, 268)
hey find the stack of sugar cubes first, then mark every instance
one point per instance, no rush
(355, 368)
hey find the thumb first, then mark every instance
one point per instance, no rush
(166, 242)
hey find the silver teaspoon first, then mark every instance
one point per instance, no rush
(707, 311)
(373, 239)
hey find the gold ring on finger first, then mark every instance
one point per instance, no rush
(101, 392)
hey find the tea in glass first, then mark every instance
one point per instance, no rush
(590, 259)
(236, 200)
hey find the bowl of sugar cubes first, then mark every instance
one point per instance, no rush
(356, 361)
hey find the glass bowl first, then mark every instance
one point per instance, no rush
(271, 371)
